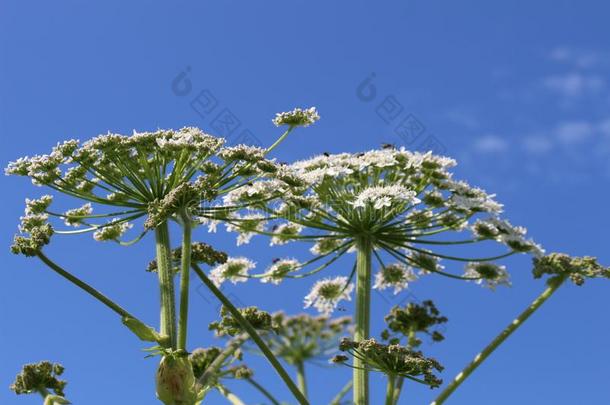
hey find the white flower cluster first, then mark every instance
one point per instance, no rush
(284, 233)
(38, 206)
(380, 197)
(186, 138)
(279, 269)
(395, 275)
(504, 232)
(235, 269)
(112, 231)
(297, 117)
(75, 216)
(326, 294)
(247, 226)
(489, 274)
(259, 190)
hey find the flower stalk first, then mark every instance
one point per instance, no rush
(253, 335)
(301, 381)
(363, 307)
(389, 394)
(166, 283)
(553, 285)
(185, 270)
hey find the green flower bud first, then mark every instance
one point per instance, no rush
(176, 381)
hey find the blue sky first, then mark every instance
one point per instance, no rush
(518, 92)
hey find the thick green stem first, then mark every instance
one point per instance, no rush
(389, 391)
(166, 283)
(301, 382)
(498, 340)
(86, 287)
(337, 399)
(399, 382)
(363, 308)
(263, 391)
(185, 271)
(253, 335)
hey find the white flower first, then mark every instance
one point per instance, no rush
(326, 294)
(384, 196)
(74, 217)
(38, 206)
(247, 226)
(283, 233)
(235, 269)
(325, 246)
(297, 117)
(490, 274)
(112, 231)
(395, 275)
(276, 272)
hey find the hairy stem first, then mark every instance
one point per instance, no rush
(185, 270)
(363, 304)
(302, 383)
(166, 283)
(253, 335)
(554, 284)
(263, 391)
(389, 391)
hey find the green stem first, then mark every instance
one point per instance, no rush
(398, 389)
(389, 392)
(253, 335)
(363, 304)
(232, 398)
(279, 140)
(263, 391)
(554, 284)
(185, 270)
(301, 382)
(231, 348)
(166, 283)
(86, 287)
(337, 399)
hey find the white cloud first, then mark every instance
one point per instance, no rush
(491, 143)
(574, 131)
(580, 58)
(464, 118)
(537, 144)
(574, 84)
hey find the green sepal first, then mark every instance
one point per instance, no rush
(145, 332)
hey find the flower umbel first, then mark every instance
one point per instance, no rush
(393, 360)
(39, 377)
(326, 294)
(297, 117)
